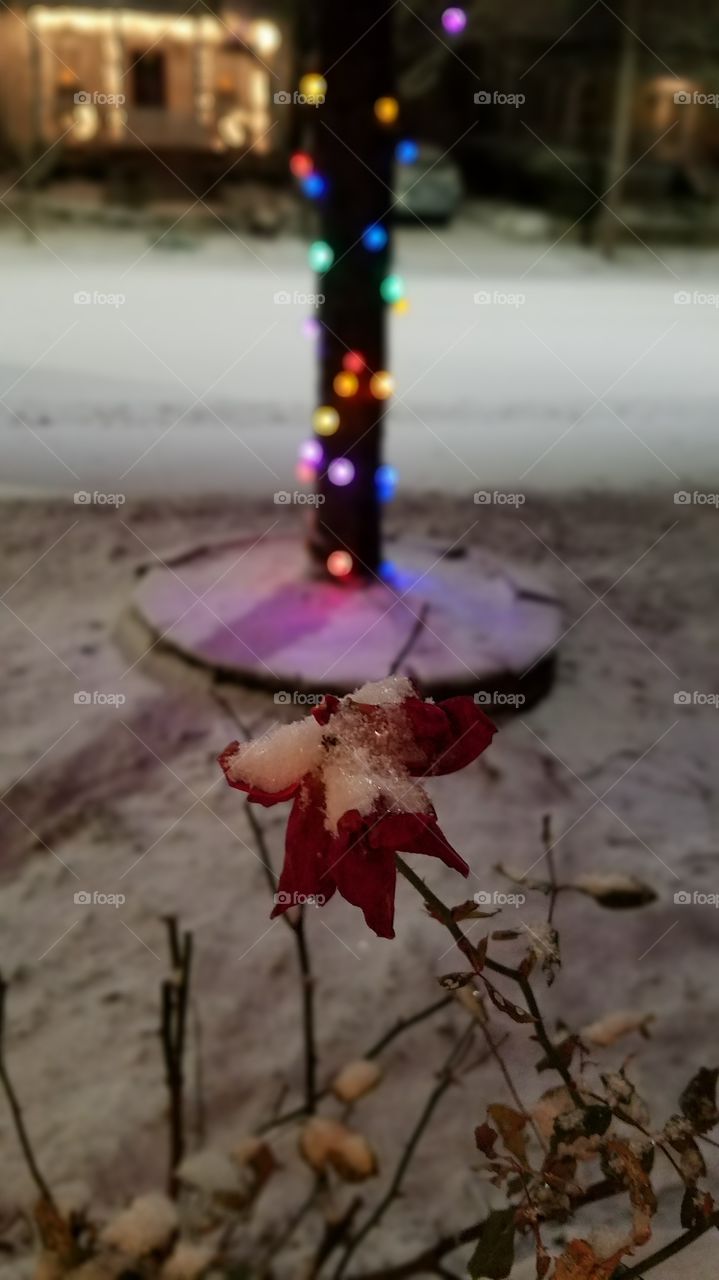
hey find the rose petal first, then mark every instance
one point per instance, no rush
(449, 735)
(257, 796)
(367, 878)
(416, 833)
(307, 845)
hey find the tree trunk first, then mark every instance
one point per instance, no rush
(621, 129)
(354, 154)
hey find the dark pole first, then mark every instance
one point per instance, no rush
(354, 155)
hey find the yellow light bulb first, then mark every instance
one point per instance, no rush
(325, 420)
(313, 85)
(346, 384)
(401, 306)
(381, 385)
(386, 110)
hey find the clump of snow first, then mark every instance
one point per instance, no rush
(187, 1261)
(146, 1225)
(354, 779)
(210, 1171)
(280, 757)
(384, 693)
(359, 759)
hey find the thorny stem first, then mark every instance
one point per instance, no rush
(442, 912)
(446, 1078)
(16, 1111)
(298, 928)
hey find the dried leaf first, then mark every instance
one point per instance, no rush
(504, 1005)
(563, 1052)
(485, 1137)
(697, 1208)
(624, 1099)
(621, 1162)
(579, 1262)
(453, 981)
(470, 911)
(698, 1101)
(493, 1257)
(613, 1026)
(511, 1125)
(615, 890)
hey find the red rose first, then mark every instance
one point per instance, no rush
(349, 768)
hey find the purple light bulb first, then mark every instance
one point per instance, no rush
(341, 471)
(311, 451)
(454, 21)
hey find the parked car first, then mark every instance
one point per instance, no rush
(428, 184)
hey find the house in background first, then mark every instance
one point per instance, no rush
(103, 82)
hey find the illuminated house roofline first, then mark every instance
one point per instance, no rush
(261, 36)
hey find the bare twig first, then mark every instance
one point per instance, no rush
(397, 1029)
(551, 867)
(445, 1079)
(175, 994)
(669, 1250)
(16, 1112)
(411, 640)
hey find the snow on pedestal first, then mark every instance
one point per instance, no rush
(251, 612)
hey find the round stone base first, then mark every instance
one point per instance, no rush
(458, 623)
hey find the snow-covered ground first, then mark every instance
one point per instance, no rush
(575, 372)
(128, 799)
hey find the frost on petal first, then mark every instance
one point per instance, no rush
(385, 693)
(270, 768)
(307, 850)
